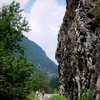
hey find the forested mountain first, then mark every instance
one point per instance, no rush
(35, 54)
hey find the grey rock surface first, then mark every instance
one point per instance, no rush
(78, 51)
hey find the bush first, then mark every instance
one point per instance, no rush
(49, 90)
(31, 96)
(86, 95)
(58, 97)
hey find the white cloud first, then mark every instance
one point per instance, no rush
(45, 18)
(22, 2)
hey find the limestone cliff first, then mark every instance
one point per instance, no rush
(78, 51)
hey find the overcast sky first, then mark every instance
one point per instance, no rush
(45, 18)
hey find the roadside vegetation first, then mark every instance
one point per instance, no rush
(86, 95)
(58, 97)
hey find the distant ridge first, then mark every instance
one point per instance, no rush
(38, 57)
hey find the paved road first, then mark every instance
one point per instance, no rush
(46, 96)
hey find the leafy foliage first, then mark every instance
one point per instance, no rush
(12, 24)
(15, 71)
(54, 82)
(40, 81)
(31, 96)
(14, 76)
(86, 95)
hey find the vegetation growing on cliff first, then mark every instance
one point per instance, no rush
(96, 11)
(86, 95)
(71, 7)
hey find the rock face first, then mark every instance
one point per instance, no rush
(78, 51)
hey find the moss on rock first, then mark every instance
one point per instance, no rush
(96, 11)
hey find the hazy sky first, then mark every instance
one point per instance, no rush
(45, 18)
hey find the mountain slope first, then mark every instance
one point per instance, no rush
(37, 56)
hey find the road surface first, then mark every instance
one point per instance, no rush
(46, 96)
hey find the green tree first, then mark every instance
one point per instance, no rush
(15, 71)
(40, 81)
(54, 82)
(12, 24)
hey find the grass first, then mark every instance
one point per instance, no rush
(57, 97)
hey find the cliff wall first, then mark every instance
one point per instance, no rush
(78, 51)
